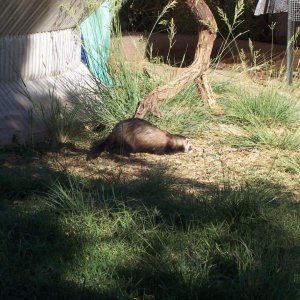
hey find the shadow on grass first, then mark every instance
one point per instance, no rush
(35, 250)
(215, 242)
(22, 177)
(166, 238)
(35, 257)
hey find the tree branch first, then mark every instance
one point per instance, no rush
(196, 72)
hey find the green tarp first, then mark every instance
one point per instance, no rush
(95, 31)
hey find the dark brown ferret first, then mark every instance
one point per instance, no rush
(137, 135)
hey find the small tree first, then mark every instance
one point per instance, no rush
(196, 72)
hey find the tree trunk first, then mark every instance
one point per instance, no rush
(196, 72)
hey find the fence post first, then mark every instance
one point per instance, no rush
(290, 43)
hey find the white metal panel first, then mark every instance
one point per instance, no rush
(39, 51)
(38, 55)
(16, 102)
(19, 17)
(271, 7)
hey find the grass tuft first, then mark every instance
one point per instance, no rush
(61, 121)
(105, 106)
(184, 114)
(266, 107)
(291, 165)
(260, 136)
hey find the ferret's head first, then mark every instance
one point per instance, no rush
(188, 146)
(182, 144)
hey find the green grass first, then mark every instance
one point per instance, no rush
(104, 107)
(261, 136)
(60, 120)
(149, 237)
(268, 118)
(291, 165)
(265, 106)
(184, 114)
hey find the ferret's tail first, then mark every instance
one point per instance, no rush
(97, 148)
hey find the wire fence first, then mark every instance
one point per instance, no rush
(294, 13)
(271, 6)
(293, 9)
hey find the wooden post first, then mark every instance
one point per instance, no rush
(196, 72)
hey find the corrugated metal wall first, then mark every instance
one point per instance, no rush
(39, 53)
(19, 17)
(17, 97)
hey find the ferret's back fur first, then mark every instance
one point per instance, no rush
(137, 135)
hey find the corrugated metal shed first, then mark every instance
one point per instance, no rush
(39, 55)
(16, 108)
(19, 17)
(39, 52)
(271, 7)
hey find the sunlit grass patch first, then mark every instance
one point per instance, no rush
(260, 136)
(184, 114)
(290, 164)
(265, 106)
(268, 118)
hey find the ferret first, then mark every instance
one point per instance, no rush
(139, 136)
